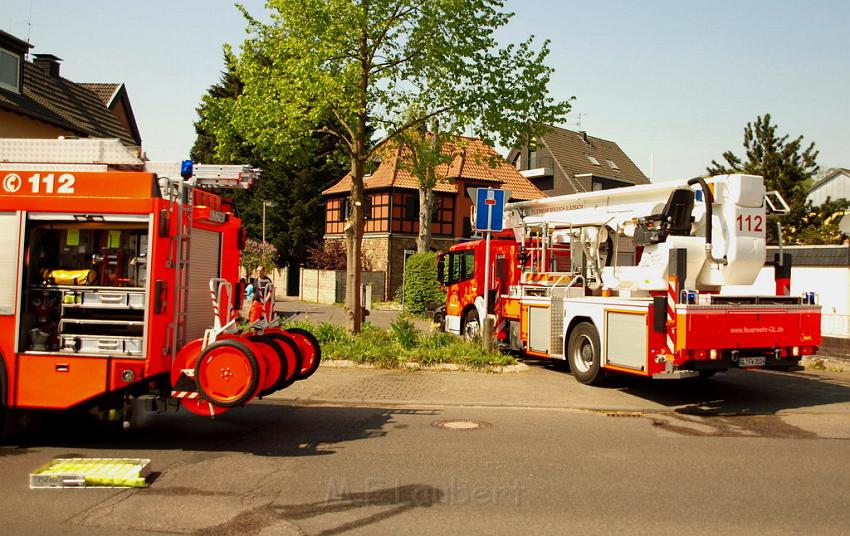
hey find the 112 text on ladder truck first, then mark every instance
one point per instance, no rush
(120, 284)
(634, 280)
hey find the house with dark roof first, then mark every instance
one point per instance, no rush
(392, 202)
(564, 161)
(834, 184)
(36, 102)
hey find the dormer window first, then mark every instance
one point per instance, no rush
(593, 160)
(10, 71)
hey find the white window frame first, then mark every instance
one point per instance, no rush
(16, 88)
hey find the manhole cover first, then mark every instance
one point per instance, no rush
(460, 426)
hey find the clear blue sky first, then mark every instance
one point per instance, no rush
(676, 80)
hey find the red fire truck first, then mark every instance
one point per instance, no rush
(120, 282)
(633, 280)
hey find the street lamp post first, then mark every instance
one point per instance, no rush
(266, 204)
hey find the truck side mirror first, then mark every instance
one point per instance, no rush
(441, 267)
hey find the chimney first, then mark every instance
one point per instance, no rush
(583, 132)
(48, 63)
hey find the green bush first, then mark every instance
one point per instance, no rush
(401, 343)
(422, 291)
(327, 332)
(404, 333)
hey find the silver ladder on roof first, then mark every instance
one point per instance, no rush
(180, 192)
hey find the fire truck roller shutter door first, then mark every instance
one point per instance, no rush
(204, 264)
(9, 233)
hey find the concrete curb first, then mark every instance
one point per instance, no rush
(412, 365)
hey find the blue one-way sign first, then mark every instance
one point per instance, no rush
(489, 209)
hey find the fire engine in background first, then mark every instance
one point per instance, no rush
(630, 280)
(119, 282)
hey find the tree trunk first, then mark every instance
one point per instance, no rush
(354, 225)
(426, 216)
(427, 198)
(354, 246)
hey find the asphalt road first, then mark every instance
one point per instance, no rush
(367, 452)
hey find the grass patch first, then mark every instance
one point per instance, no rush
(401, 343)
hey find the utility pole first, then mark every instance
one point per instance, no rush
(266, 204)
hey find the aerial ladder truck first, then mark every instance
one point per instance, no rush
(632, 279)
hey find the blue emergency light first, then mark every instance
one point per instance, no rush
(186, 169)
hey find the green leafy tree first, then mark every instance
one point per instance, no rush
(367, 64)
(295, 221)
(425, 155)
(786, 165)
(819, 225)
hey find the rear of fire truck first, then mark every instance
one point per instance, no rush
(120, 283)
(632, 280)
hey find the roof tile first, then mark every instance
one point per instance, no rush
(63, 103)
(105, 92)
(571, 151)
(473, 159)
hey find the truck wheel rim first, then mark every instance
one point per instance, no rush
(225, 373)
(471, 330)
(583, 354)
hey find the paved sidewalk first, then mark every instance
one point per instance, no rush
(545, 386)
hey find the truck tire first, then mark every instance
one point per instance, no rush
(583, 354)
(278, 368)
(294, 360)
(439, 317)
(471, 325)
(311, 351)
(221, 363)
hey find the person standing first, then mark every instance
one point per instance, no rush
(262, 285)
(247, 298)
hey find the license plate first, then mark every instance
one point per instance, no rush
(752, 361)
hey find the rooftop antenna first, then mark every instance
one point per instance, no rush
(577, 117)
(29, 28)
(28, 23)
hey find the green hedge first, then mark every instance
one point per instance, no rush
(421, 289)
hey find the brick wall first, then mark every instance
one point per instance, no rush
(386, 254)
(376, 249)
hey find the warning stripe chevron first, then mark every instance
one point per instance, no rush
(672, 294)
(185, 394)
